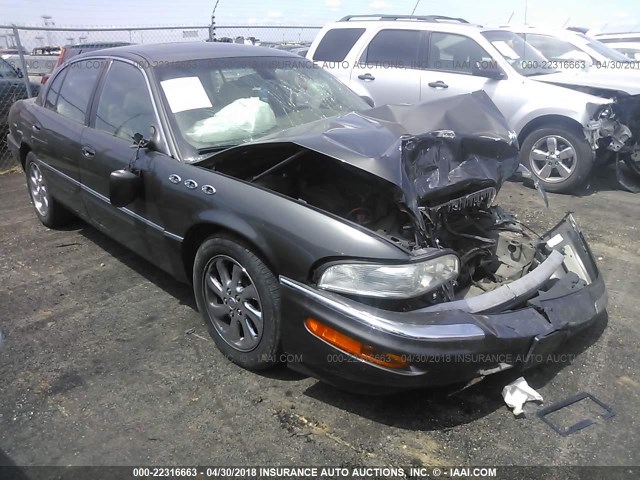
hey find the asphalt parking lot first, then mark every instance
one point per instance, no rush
(96, 367)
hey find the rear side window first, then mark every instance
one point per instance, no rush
(336, 43)
(76, 90)
(394, 47)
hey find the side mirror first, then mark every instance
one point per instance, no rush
(487, 69)
(124, 187)
(369, 100)
(150, 143)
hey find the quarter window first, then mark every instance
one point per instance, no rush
(455, 53)
(397, 48)
(125, 106)
(336, 43)
(54, 91)
(76, 90)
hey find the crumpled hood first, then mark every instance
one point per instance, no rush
(626, 82)
(431, 151)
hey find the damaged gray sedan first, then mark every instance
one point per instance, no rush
(359, 245)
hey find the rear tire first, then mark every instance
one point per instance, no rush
(50, 212)
(558, 157)
(239, 299)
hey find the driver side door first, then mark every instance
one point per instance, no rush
(123, 107)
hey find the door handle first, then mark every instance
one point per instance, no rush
(438, 84)
(36, 128)
(88, 152)
(366, 76)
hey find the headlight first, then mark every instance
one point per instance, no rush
(390, 281)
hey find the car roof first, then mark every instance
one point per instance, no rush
(559, 33)
(95, 45)
(433, 22)
(158, 53)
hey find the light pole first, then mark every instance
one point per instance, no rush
(212, 27)
(48, 22)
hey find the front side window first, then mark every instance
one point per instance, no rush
(336, 44)
(455, 53)
(124, 106)
(76, 89)
(394, 48)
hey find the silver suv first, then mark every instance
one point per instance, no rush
(402, 59)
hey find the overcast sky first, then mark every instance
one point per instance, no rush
(590, 13)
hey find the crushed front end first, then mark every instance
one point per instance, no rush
(473, 291)
(532, 295)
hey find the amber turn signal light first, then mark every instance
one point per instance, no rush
(354, 347)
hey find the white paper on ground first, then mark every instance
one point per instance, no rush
(185, 93)
(517, 393)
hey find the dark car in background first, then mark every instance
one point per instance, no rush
(356, 244)
(12, 88)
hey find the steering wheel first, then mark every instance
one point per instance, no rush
(119, 129)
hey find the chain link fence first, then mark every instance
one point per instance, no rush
(29, 54)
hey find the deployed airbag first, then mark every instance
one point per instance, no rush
(242, 118)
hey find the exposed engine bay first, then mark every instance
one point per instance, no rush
(493, 246)
(421, 191)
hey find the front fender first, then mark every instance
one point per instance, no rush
(292, 236)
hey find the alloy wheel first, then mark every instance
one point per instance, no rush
(553, 158)
(233, 303)
(38, 189)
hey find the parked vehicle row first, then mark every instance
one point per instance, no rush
(625, 43)
(565, 122)
(362, 241)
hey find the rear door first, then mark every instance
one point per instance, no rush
(389, 68)
(334, 47)
(123, 106)
(58, 127)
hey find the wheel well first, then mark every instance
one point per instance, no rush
(200, 232)
(24, 150)
(549, 120)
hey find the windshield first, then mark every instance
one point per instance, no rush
(6, 70)
(523, 57)
(217, 103)
(604, 50)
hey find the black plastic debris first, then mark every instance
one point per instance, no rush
(543, 414)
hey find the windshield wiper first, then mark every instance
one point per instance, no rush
(215, 148)
(533, 74)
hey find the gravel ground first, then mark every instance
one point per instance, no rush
(96, 368)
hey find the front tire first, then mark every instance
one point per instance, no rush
(239, 299)
(558, 157)
(50, 212)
